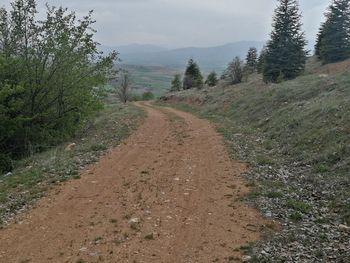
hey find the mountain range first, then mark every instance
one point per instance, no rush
(206, 57)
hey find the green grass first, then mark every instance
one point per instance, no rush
(36, 174)
(156, 79)
(304, 122)
(298, 205)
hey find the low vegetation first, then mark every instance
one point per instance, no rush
(51, 78)
(296, 136)
(34, 175)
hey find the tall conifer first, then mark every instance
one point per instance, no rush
(285, 54)
(333, 39)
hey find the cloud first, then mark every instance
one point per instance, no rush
(186, 22)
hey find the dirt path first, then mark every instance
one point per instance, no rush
(170, 193)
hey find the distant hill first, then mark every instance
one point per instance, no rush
(209, 57)
(134, 49)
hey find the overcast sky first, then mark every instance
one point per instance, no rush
(180, 23)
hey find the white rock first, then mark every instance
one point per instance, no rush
(246, 258)
(134, 220)
(344, 228)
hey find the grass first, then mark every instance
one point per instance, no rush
(296, 137)
(33, 176)
(156, 79)
(303, 122)
(298, 205)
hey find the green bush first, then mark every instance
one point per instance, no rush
(5, 163)
(148, 96)
(40, 108)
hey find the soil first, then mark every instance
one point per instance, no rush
(169, 193)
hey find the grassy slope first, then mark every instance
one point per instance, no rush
(297, 136)
(34, 175)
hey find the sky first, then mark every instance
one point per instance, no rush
(183, 23)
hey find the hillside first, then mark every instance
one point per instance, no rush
(296, 135)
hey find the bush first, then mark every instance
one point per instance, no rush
(40, 108)
(147, 96)
(5, 163)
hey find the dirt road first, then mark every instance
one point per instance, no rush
(170, 193)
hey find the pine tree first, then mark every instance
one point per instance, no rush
(176, 83)
(333, 39)
(193, 76)
(285, 55)
(261, 60)
(252, 60)
(212, 79)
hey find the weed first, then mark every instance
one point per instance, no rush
(149, 237)
(274, 194)
(296, 216)
(298, 205)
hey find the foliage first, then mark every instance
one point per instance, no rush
(193, 76)
(34, 175)
(50, 72)
(176, 83)
(148, 95)
(212, 79)
(261, 60)
(285, 54)
(333, 39)
(234, 71)
(251, 60)
(6, 164)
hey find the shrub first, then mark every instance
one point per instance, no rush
(5, 163)
(148, 96)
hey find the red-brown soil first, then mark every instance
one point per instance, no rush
(169, 193)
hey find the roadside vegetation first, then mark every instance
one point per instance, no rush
(34, 175)
(288, 115)
(51, 78)
(296, 137)
(56, 114)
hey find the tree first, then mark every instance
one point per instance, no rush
(285, 52)
(234, 71)
(124, 89)
(333, 39)
(51, 74)
(193, 76)
(176, 83)
(261, 60)
(212, 79)
(252, 60)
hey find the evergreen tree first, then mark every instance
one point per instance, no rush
(176, 83)
(193, 76)
(212, 79)
(234, 71)
(252, 60)
(261, 60)
(333, 39)
(285, 55)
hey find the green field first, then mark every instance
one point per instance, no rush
(156, 79)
